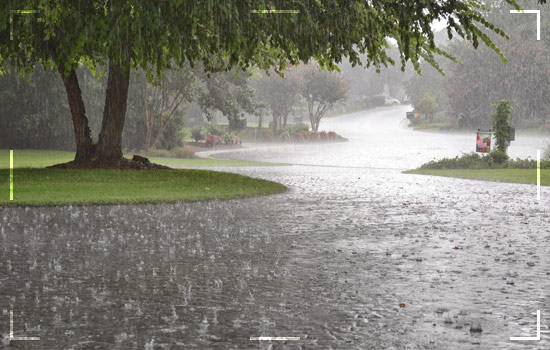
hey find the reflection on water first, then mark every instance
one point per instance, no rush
(349, 258)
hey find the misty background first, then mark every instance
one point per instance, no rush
(36, 115)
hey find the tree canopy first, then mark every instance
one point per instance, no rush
(223, 34)
(467, 91)
(280, 94)
(227, 93)
(321, 91)
(155, 36)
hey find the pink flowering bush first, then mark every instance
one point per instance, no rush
(268, 135)
(313, 136)
(212, 140)
(298, 137)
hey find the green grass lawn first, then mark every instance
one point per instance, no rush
(524, 176)
(41, 159)
(99, 186)
(34, 158)
(34, 185)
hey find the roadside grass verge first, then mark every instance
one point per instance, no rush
(524, 176)
(434, 127)
(41, 187)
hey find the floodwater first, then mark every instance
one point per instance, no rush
(355, 256)
(381, 139)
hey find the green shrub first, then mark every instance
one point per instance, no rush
(300, 127)
(427, 106)
(527, 164)
(249, 134)
(198, 133)
(231, 139)
(216, 130)
(178, 152)
(467, 161)
(291, 129)
(498, 156)
(184, 134)
(183, 152)
(490, 161)
(285, 135)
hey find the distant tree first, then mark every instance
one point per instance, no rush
(280, 94)
(525, 78)
(227, 92)
(362, 83)
(161, 107)
(427, 106)
(472, 86)
(162, 102)
(321, 90)
(429, 82)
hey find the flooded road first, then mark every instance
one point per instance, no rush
(355, 256)
(381, 139)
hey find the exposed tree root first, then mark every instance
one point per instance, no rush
(136, 163)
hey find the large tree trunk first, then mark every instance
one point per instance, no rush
(84, 146)
(83, 137)
(109, 147)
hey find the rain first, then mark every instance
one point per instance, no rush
(356, 254)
